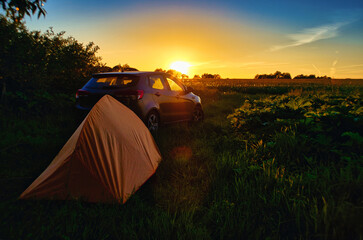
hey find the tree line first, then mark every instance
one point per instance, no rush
(281, 75)
(207, 76)
(184, 76)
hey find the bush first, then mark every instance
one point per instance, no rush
(31, 60)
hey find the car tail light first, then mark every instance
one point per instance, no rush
(133, 94)
(140, 94)
(81, 92)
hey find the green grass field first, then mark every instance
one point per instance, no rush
(270, 161)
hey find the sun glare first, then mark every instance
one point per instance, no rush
(180, 66)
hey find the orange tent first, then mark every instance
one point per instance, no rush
(107, 158)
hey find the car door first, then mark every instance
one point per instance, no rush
(163, 97)
(183, 105)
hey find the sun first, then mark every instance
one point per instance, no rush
(180, 66)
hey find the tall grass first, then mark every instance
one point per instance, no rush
(213, 182)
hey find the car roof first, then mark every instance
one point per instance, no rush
(127, 73)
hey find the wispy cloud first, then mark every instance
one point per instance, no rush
(310, 35)
(333, 69)
(317, 69)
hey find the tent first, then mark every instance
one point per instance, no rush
(107, 158)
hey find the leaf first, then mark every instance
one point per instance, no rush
(307, 121)
(359, 111)
(354, 136)
(323, 139)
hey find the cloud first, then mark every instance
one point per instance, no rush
(317, 69)
(333, 69)
(311, 35)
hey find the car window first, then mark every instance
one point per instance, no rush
(174, 86)
(112, 81)
(156, 82)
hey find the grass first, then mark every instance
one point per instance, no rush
(214, 182)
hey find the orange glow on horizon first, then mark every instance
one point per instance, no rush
(215, 43)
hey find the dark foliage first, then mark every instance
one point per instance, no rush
(276, 75)
(311, 76)
(35, 63)
(17, 9)
(211, 76)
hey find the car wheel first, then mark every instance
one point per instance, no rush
(198, 114)
(153, 121)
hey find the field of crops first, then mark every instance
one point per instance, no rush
(273, 159)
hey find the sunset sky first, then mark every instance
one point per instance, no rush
(236, 39)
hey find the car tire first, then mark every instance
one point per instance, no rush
(152, 121)
(198, 114)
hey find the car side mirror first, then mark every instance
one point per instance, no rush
(189, 89)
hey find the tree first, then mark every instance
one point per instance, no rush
(117, 68)
(302, 76)
(123, 68)
(184, 76)
(196, 77)
(17, 9)
(159, 70)
(324, 77)
(286, 75)
(211, 76)
(174, 73)
(217, 76)
(276, 75)
(207, 75)
(32, 61)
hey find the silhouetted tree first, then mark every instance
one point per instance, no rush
(117, 68)
(184, 76)
(302, 76)
(211, 76)
(311, 76)
(217, 76)
(207, 75)
(17, 9)
(174, 73)
(104, 68)
(159, 70)
(324, 77)
(286, 76)
(123, 68)
(196, 77)
(46, 62)
(276, 75)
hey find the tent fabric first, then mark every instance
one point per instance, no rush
(109, 156)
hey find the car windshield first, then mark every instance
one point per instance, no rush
(112, 81)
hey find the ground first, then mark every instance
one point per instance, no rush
(271, 160)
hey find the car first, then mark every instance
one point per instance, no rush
(156, 97)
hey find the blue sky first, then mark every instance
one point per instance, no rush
(233, 38)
